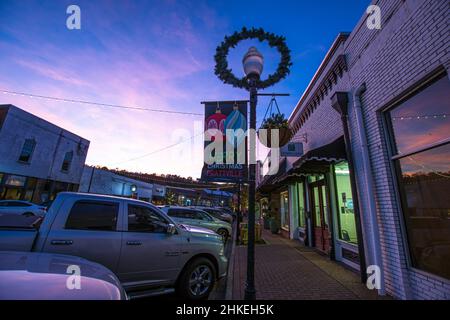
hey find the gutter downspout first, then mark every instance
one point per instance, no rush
(369, 191)
(340, 103)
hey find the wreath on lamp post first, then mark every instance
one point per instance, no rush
(226, 75)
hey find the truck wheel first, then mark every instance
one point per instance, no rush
(197, 280)
(224, 233)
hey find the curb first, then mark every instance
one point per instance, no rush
(229, 287)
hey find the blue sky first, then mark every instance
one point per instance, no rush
(155, 54)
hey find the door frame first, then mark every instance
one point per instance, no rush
(322, 183)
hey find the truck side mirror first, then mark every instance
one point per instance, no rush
(171, 229)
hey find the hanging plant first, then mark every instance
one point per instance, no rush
(226, 75)
(276, 121)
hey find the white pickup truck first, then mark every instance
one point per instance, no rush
(149, 253)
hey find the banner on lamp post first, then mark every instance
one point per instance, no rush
(225, 142)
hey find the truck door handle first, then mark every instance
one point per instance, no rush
(134, 243)
(62, 242)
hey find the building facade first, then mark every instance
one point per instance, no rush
(37, 158)
(101, 181)
(370, 188)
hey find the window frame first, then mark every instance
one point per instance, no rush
(105, 202)
(127, 225)
(31, 153)
(394, 159)
(69, 165)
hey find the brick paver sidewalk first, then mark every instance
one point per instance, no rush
(287, 271)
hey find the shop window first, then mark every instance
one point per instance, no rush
(284, 210)
(15, 181)
(301, 204)
(30, 188)
(346, 214)
(27, 150)
(422, 119)
(67, 161)
(420, 135)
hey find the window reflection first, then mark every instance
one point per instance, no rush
(425, 184)
(423, 119)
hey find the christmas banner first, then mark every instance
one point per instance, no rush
(225, 147)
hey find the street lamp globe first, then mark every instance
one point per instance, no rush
(253, 63)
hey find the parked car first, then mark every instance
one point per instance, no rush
(45, 276)
(200, 218)
(140, 244)
(21, 207)
(216, 213)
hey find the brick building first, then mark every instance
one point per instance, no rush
(385, 93)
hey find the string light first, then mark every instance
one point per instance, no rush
(426, 116)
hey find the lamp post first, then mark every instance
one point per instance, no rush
(253, 63)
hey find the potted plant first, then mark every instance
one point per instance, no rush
(267, 219)
(274, 226)
(276, 122)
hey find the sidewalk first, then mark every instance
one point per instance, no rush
(285, 270)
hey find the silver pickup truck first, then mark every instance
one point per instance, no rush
(148, 252)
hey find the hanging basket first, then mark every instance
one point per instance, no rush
(276, 121)
(284, 136)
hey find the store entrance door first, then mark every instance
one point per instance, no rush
(320, 207)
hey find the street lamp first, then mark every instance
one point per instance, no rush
(253, 63)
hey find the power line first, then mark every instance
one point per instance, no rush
(159, 150)
(30, 95)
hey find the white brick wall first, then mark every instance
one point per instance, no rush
(413, 42)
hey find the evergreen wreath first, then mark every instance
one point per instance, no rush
(226, 75)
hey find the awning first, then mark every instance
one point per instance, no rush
(269, 182)
(316, 161)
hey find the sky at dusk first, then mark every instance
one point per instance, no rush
(152, 54)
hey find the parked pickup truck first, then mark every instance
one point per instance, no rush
(146, 249)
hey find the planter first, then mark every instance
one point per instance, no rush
(274, 226)
(285, 135)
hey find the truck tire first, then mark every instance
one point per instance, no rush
(197, 280)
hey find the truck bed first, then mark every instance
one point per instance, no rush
(17, 233)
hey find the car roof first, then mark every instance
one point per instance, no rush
(101, 197)
(45, 270)
(180, 207)
(18, 201)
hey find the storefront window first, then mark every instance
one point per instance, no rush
(301, 204)
(284, 210)
(422, 119)
(30, 187)
(421, 146)
(346, 214)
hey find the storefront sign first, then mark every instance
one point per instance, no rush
(292, 149)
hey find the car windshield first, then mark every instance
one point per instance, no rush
(205, 215)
